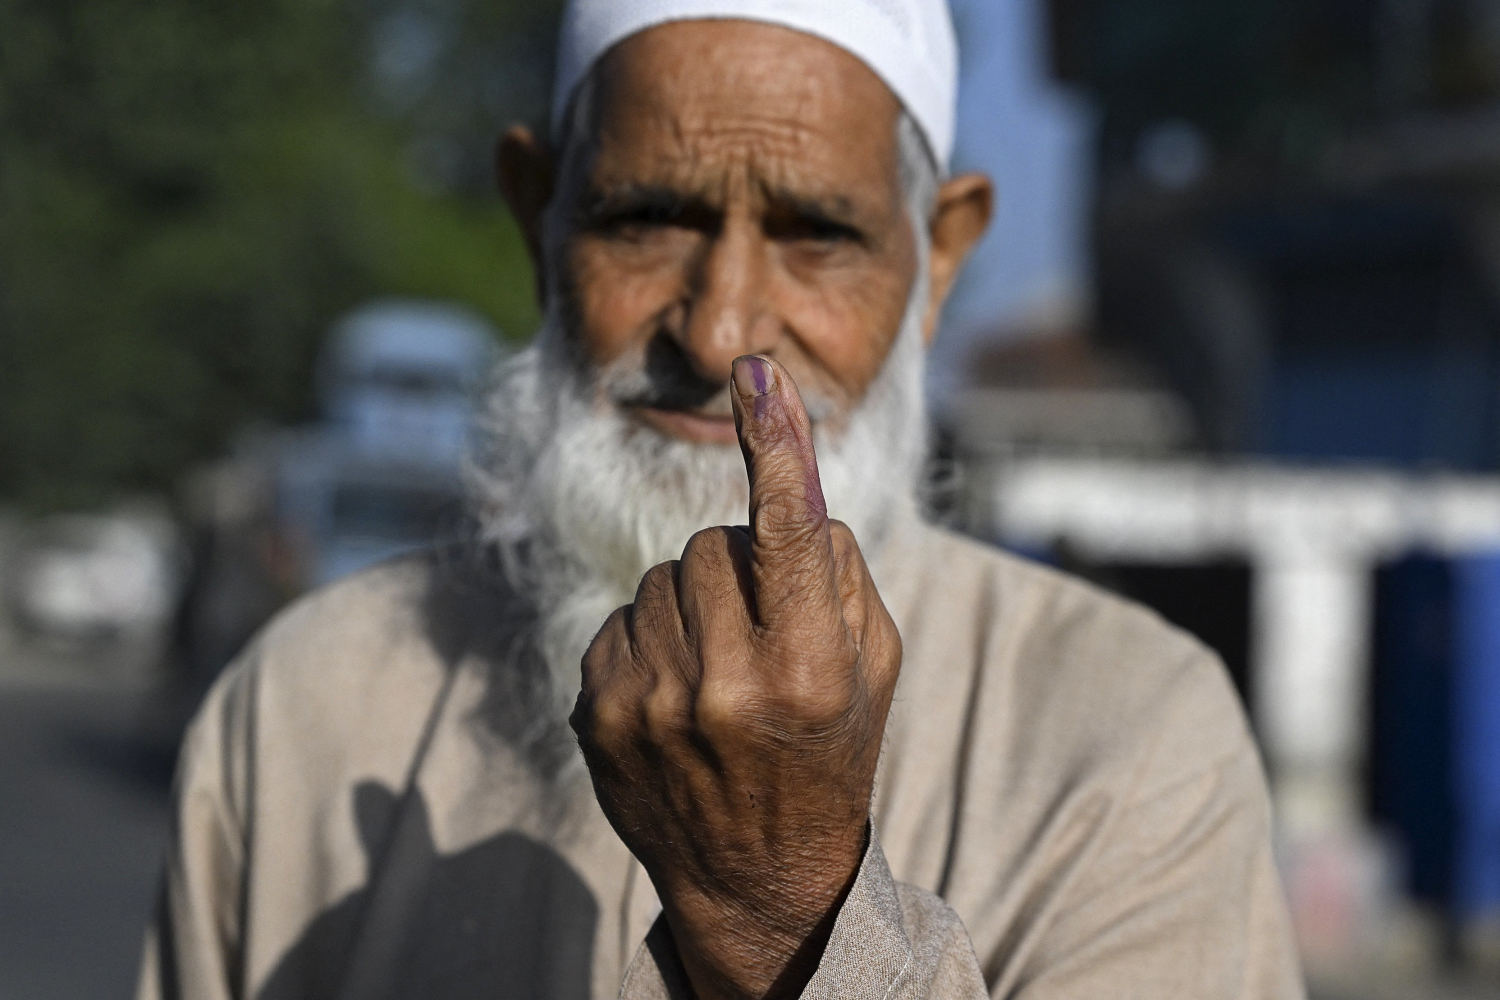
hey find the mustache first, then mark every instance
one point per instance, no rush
(665, 379)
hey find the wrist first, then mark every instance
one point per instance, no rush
(736, 944)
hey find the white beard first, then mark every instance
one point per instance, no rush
(579, 501)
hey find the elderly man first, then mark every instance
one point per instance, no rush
(855, 757)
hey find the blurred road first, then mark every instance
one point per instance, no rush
(82, 826)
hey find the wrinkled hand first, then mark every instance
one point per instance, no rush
(731, 717)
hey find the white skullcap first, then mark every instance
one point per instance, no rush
(907, 43)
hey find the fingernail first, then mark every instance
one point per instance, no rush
(753, 376)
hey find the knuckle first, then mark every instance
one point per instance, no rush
(586, 718)
(891, 635)
(598, 664)
(579, 719)
(612, 629)
(817, 692)
(655, 596)
(706, 545)
(784, 511)
(611, 722)
(847, 555)
(715, 577)
(800, 584)
(816, 707)
(663, 712)
(717, 713)
(656, 583)
(610, 716)
(883, 630)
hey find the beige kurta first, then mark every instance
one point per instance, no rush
(1068, 798)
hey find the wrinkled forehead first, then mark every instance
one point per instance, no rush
(693, 99)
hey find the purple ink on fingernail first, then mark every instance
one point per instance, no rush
(759, 373)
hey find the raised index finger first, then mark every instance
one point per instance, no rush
(791, 548)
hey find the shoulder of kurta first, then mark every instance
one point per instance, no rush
(347, 675)
(1107, 801)
(342, 638)
(1101, 676)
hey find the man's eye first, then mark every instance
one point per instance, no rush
(650, 221)
(813, 229)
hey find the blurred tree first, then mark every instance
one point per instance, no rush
(191, 191)
(451, 70)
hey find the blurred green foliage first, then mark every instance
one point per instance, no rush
(191, 191)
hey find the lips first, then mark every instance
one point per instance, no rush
(688, 425)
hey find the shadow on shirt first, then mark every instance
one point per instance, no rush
(507, 917)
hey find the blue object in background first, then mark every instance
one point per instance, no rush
(1382, 337)
(1476, 706)
(1435, 765)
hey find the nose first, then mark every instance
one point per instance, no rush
(727, 311)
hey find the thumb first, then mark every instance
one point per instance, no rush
(791, 548)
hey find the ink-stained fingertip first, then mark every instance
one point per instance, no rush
(753, 376)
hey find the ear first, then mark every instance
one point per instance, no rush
(964, 206)
(525, 173)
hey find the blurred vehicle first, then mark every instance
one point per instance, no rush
(107, 577)
(382, 474)
(294, 508)
(397, 379)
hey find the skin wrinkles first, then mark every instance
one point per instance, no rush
(731, 230)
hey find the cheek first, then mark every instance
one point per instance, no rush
(620, 299)
(847, 323)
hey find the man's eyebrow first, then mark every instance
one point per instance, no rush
(602, 207)
(833, 207)
(651, 202)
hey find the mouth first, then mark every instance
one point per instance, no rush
(688, 425)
